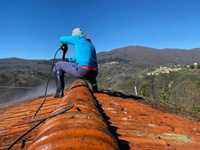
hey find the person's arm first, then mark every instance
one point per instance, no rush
(68, 39)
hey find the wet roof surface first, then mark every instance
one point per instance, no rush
(132, 124)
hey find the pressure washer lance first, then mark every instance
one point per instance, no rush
(64, 49)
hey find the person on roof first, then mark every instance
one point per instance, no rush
(83, 64)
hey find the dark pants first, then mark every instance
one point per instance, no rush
(73, 69)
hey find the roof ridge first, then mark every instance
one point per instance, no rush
(82, 127)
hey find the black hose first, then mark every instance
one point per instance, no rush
(41, 120)
(47, 84)
(45, 96)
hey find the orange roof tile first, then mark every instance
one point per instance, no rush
(101, 123)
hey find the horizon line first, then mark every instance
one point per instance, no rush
(102, 51)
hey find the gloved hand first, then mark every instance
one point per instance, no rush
(64, 47)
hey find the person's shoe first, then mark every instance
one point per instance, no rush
(59, 94)
(56, 95)
(95, 88)
(92, 85)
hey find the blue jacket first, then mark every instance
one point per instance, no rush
(85, 53)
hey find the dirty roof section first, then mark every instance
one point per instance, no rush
(86, 120)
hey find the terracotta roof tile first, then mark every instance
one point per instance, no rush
(101, 123)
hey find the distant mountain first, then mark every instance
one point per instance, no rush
(117, 68)
(131, 54)
(151, 56)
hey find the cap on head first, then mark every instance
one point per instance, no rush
(77, 32)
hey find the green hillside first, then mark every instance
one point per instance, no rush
(173, 86)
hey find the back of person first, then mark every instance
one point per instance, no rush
(82, 64)
(85, 53)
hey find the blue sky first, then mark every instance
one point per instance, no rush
(31, 28)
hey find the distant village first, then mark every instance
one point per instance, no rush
(173, 68)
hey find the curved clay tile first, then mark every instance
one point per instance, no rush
(135, 124)
(82, 127)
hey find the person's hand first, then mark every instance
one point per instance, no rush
(64, 47)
